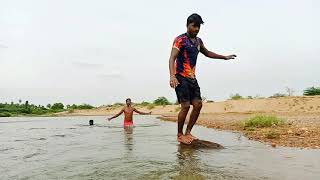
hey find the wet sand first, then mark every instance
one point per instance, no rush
(300, 130)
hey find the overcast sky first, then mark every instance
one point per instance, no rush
(101, 52)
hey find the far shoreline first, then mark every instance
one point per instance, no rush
(302, 115)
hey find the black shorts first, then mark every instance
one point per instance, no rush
(188, 89)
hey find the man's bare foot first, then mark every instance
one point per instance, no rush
(190, 136)
(183, 139)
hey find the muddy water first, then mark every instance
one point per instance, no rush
(68, 148)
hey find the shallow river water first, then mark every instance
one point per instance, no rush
(68, 148)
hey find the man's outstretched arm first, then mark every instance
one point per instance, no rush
(213, 55)
(122, 110)
(173, 56)
(143, 113)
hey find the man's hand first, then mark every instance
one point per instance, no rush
(230, 57)
(173, 82)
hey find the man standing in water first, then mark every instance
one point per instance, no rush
(182, 64)
(128, 113)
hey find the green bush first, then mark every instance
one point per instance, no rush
(3, 110)
(259, 121)
(25, 110)
(85, 106)
(5, 114)
(236, 96)
(38, 111)
(312, 91)
(57, 106)
(56, 110)
(161, 101)
(13, 109)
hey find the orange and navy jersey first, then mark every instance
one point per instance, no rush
(187, 57)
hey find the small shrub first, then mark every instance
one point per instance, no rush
(5, 114)
(259, 121)
(312, 91)
(161, 101)
(38, 111)
(236, 96)
(57, 106)
(84, 106)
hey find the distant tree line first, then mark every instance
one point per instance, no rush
(16, 109)
(312, 91)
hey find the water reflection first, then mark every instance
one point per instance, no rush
(188, 163)
(128, 140)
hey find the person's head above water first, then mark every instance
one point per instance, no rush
(128, 102)
(194, 22)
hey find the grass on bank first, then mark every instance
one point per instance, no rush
(260, 121)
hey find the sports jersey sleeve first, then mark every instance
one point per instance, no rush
(178, 43)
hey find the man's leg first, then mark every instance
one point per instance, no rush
(185, 106)
(197, 105)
